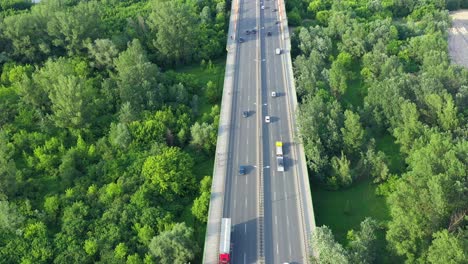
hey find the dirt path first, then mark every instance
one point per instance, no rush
(458, 38)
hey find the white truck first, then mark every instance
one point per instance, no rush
(225, 241)
(279, 156)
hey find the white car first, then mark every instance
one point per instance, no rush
(273, 94)
(278, 51)
(262, 7)
(267, 119)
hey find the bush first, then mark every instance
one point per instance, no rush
(294, 18)
(453, 4)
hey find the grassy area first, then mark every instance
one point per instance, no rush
(387, 145)
(355, 94)
(345, 209)
(202, 75)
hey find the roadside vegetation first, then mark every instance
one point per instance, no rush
(382, 108)
(108, 123)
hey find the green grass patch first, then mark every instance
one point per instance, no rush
(202, 74)
(387, 145)
(345, 209)
(354, 95)
(204, 167)
(356, 91)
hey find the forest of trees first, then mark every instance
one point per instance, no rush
(95, 124)
(371, 69)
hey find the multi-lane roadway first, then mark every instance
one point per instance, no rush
(263, 204)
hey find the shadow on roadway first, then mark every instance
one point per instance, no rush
(244, 242)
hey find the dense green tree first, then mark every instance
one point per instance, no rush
(320, 119)
(409, 128)
(316, 47)
(8, 168)
(137, 78)
(176, 29)
(72, 102)
(385, 99)
(71, 28)
(102, 52)
(354, 40)
(427, 195)
(170, 179)
(10, 218)
(353, 133)
(202, 203)
(362, 246)
(340, 74)
(328, 251)
(39, 246)
(204, 136)
(27, 33)
(213, 92)
(341, 172)
(119, 135)
(448, 248)
(375, 165)
(174, 246)
(170, 125)
(442, 111)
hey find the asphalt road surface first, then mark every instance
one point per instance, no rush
(258, 67)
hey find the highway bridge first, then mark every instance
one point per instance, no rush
(271, 211)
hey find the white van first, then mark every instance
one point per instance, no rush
(278, 51)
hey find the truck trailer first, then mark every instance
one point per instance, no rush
(225, 241)
(279, 156)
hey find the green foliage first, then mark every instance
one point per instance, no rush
(72, 102)
(448, 247)
(213, 92)
(71, 28)
(204, 136)
(341, 173)
(353, 133)
(202, 203)
(319, 124)
(83, 111)
(340, 74)
(119, 135)
(10, 218)
(137, 78)
(360, 248)
(27, 33)
(176, 31)
(436, 182)
(390, 73)
(174, 246)
(170, 179)
(7, 167)
(327, 249)
(103, 52)
(294, 18)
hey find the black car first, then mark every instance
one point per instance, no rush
(241, 40)
(269, 33)
(245, 113)
(242, 170)
(254, 31)
(247, 32)
(277, 22)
